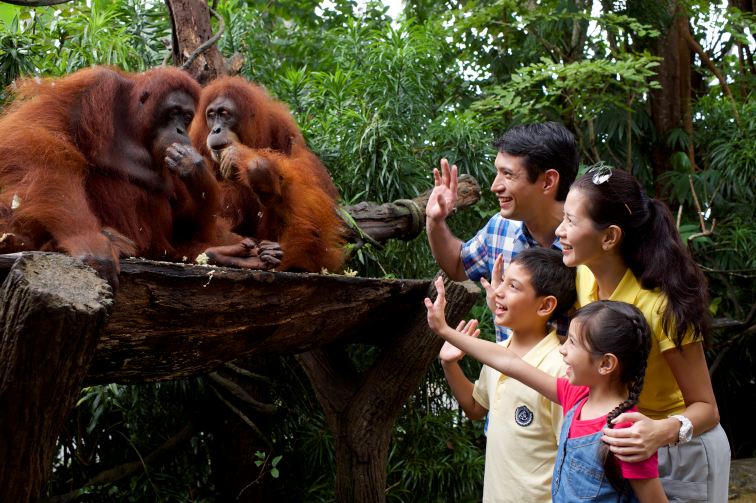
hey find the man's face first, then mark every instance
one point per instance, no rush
(518, 197)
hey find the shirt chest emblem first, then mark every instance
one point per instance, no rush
(523, 416)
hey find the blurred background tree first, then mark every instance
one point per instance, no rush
(663, 89)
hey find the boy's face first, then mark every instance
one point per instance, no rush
(516, 302)
(518, 198)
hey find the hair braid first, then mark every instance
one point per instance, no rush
(635, 381)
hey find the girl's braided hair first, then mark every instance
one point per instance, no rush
(620, 329)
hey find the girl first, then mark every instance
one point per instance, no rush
(606, 350)
(628, 249)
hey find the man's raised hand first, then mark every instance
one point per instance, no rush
(443, 198)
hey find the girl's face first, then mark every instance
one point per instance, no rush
(581, 241)
(582, 364)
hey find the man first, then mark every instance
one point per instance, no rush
(535, 166)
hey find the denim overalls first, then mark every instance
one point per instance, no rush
(579, 472)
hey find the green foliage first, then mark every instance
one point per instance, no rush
(435, 457)
(263, 460)
(16, 52)
(376, 109)
(581, 90)
(114, 425)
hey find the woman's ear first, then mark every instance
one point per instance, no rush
(612, 237)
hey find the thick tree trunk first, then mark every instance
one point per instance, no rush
(190, 20)
(361, 408)
(671, 103)
(52, 313)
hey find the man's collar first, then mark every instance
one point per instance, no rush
(528, 237)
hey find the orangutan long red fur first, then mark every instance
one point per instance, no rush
(303, 217)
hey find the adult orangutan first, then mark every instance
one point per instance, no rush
(99, 165)
(273, 187)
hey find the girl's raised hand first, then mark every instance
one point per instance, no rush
(450, 353)
(436, 316)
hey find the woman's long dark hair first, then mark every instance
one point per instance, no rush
(619, 328)
(652, 249)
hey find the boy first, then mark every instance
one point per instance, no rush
(523, 426)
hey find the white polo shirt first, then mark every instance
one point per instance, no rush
(523, 429)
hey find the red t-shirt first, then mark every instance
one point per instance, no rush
(568, 396)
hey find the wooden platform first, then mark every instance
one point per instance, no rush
(176, 320)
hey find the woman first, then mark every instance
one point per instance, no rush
(628, 249)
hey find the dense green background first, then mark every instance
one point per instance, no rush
(381, 102)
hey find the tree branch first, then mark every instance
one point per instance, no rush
(244, 418)
(701, 221)
(35, 3)
(239, 393)
(706, 60)
(208, 43)
(120, 472)
(246, 373)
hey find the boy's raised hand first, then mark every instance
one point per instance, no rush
(496, 276)
(450, 353)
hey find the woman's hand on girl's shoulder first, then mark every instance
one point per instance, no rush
(637, 442)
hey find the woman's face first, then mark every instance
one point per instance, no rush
(581, 241)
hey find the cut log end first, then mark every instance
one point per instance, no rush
(63, 280)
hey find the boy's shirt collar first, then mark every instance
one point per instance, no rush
(538, 352)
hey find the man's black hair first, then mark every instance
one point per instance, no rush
(544, 146)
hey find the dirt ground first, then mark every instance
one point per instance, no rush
(743, 480)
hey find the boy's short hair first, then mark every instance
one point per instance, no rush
(549, 276)
(543, 146)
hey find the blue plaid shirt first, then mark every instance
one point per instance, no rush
(508, 237)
